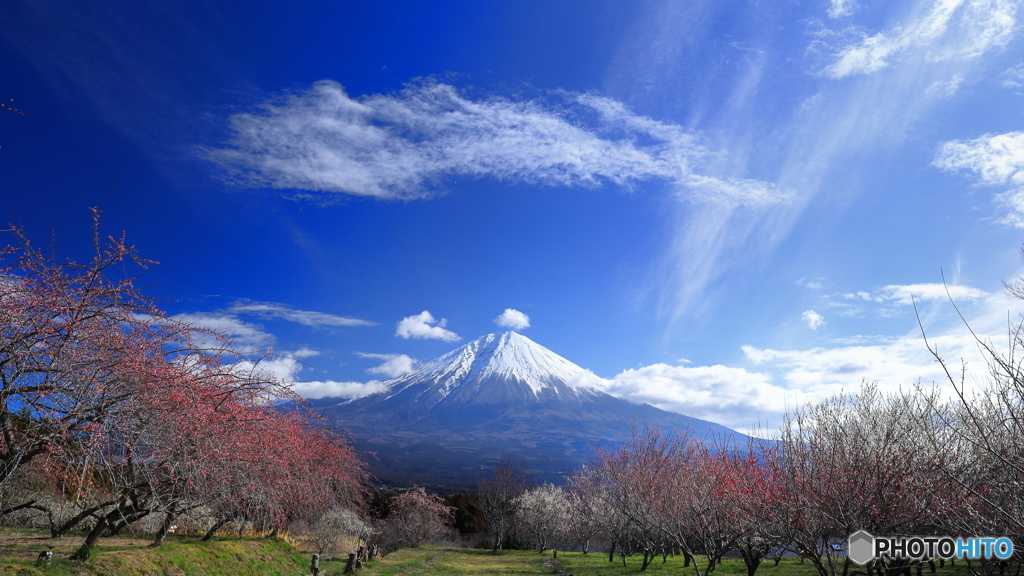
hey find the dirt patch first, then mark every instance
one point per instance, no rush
(556, 567)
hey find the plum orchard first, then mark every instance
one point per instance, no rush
(124, 412)
(901, 463)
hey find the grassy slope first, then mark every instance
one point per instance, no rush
(236, 557)
(177, 557)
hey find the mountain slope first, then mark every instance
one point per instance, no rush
(452, 419)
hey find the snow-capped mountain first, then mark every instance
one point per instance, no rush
(500, 395)
(494, 369)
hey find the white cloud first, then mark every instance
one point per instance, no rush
(244, 336)
(815, 284)
(895, 362)
(839, 8)
(741, 397)
(1014, 76)
(588, 379)
(331, 389)
(813, 319)
(410, 144)
(423, 325)
(282, 368)
(747, 399)
(816, 373)
(997, 160)
(948, 30)
(730, 396)
(304, 317)
(405, 145)
(945, 89)
(736, 192)
(514, 319)
(906, 294)
(394, 365)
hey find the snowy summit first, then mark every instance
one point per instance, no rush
(496, 368)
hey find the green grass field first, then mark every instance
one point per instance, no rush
(179, 556)
(186, 556)
(444, 561)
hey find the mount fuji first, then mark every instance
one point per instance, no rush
(448, 423)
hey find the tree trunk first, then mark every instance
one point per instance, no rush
(752, 565)
(85, 551)
(164, 528)
(213, 530)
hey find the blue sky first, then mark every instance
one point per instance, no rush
(720, 207)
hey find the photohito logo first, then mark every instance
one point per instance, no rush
(863, 547)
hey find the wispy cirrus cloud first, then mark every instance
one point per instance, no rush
(839, 8)
(906, 294)
(804, 136)
(738, 192)
(941, 30)
(1013, 77)
(997, 160)
(899, 299)
(245, 337)
(945, 88)
(406, 144)
(275, 310)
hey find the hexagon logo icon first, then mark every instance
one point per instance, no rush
(861, 547)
